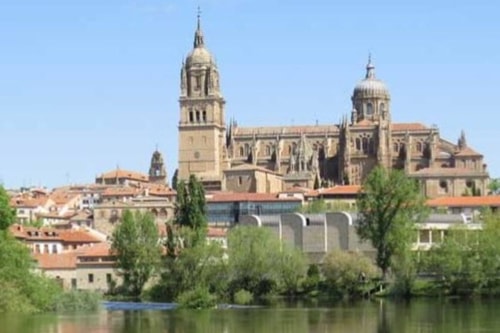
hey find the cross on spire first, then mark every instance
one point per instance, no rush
(198, 36)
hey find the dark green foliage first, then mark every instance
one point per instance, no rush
(175, 179)
(137, 249)
(190, 208)
(7, 214)
(389, 207)
(21, 289)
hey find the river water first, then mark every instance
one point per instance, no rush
(376, 316)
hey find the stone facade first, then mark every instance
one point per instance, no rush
(317, 155)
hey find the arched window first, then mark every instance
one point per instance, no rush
(365, 145)
(358, 144)
(382, 107)
(198, 116)
(419, 146)
(191, 118)
(204, 116)
(369, 109)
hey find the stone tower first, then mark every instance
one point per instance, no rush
(371, 104)
(201, 125)
(157, 170)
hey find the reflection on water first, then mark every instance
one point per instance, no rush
(378, 316)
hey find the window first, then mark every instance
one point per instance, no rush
(365, 145)
(396, 147)
(268, 150)
(419, 146)
(54, 248)
(242, 151)
(424, 236)
(358, 144)
(197, 83)
(197, 116)
(109, 278)
(91, 278)
(191, 119)
(382, 107)
(73, 283)
(369, 109)
(240, 180)
(443, 186)
(204, 116)
(247, 149)
(469, 184)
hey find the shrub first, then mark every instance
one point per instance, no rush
(347, 272)
(76, 301)
(199, 298)
(243, 297)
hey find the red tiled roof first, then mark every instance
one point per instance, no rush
(258, 197)
(340, 190)
(120, 191)
(466, 201)
(102, 249)
(78, 236)
(26, 202)
(65, 260)
(119, 173)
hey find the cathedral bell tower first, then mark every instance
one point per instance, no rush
(201, 125)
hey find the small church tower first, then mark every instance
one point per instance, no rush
(157, 170)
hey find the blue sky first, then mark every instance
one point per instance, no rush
(89, 85)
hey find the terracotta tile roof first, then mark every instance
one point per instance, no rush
(277, 130)
(78, 236)
(126, 174)
(120, 192)
(62, 197)
(159, 190)
(448, 172)
(256, 197)
(408, 127)
(467, 151)
(102, 249)
(65, 260)
(23, 202)
(466, 201)
(340, 190)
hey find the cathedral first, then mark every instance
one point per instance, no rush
(230, 157)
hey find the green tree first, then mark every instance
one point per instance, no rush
(389, 206)
(137, 248)
(7, 213)
(258, 262)
(175, 178)
(494, 185)
(190, 208)
(347, 272)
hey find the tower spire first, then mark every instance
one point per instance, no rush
(198, 35)
(370, 68)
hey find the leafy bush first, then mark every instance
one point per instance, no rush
(199, 298)
(347, 272)
(243, 297)
(74, 301)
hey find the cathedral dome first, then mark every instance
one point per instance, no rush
(370, 86)
(199, 56)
